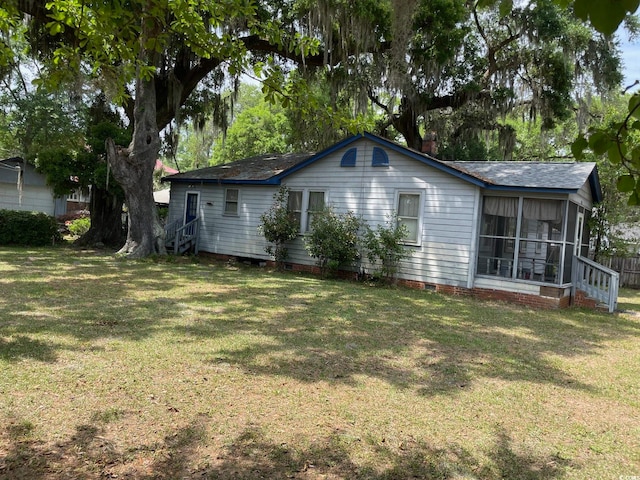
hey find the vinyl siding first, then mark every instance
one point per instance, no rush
(34, 199)
(226, 234)
(583, 197)
(446, 234)
(445, 253)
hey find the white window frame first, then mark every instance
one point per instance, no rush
(304, 205)
(420, 194)
(225, 202)
(306, 200)
(301, 211)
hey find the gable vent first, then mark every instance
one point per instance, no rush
(380, 158)
(349, 158)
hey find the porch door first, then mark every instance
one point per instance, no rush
(577, 244)
(191, 207)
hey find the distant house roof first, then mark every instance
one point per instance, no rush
(11, 163)
(165, 169)
(505, 176)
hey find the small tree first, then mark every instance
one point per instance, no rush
(333, 239)
(385, 247)
(279, 226)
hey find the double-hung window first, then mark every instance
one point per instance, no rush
(409, 215)
(294, 205)
(231, 197)
(315, 205)
(303, 205)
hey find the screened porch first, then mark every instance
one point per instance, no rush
(531, 239)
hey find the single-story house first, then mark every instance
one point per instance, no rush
(508, 230)
(23, 188)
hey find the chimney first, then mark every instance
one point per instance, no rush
(430, 143)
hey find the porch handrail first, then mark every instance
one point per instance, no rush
(170, 230)
(597, 281)
(185, 233)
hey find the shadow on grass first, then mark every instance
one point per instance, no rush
(186, 454)
(295, 326)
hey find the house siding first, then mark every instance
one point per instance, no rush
(583, 197)
(448, 206)
(34, 199)
(235, 235)
(35, 195)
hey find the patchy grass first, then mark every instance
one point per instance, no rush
(185, 369)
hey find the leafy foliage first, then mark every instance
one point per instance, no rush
(257, 130)
(333, 239)
(619, 140)
(27, 228)
(385, 248)
(80, 226)
(279, 226)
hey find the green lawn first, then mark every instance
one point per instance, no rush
(177, 369)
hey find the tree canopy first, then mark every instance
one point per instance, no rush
(408, 57)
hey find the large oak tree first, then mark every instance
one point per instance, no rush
(152, 55)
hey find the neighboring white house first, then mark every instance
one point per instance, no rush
(509, 230)
(23, 188)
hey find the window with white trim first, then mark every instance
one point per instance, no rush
(231, 200)
(294, 205)
(315, 205)
(409, 215)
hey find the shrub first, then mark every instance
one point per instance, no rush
(333, 239)
(279, 226)
(79, 226)
(27, 228)
(385, 247)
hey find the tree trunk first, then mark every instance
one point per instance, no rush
(106, 220)
(407, 124)
(133, 169)
(133, 166)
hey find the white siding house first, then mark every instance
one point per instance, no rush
(512, 228)
(23, 188)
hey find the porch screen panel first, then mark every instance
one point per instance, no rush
(586, 235)
(541, 240)
(568, 261)
(498, 236)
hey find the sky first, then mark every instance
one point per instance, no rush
(631, 60)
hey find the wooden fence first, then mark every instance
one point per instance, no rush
(627, 267)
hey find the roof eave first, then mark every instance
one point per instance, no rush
(223, 181)
(509, 188)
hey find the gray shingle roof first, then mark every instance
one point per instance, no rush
(261, 167)
(541, 176)
(570, 176)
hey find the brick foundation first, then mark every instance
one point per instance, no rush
(553, 297)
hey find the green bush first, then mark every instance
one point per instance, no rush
(27, 228)
(79, 226)
(333, 239)
(385, 248)
(279, 226)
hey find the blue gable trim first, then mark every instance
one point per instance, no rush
(384, 144)
(594, 183)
